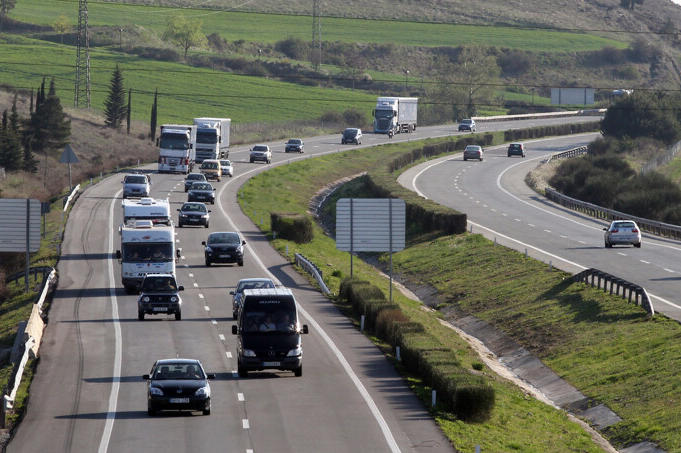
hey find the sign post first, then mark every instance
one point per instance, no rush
(68, 157)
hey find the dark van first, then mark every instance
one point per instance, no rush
(269, 334)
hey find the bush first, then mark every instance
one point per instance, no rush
(515, 62)
(294, 48)
(294, 227)
(472, 398)
(385, 323)
(354, 116)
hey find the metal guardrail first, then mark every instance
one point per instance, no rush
(522, 116)
(311, 268)
(650, 226)
(569, 153)
(615, 285)
(44, 270)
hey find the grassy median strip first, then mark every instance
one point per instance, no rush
(518, 422)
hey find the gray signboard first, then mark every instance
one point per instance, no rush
(17, 216)
(572, 96)
(370, 224)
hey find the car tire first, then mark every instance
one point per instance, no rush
(150, 410)
(242, 371)
(637, 245)
(241, 263)
(206, 410)
(298, 371)
(608, 246)
(481, 159)
(508, 155)
(251, 161)
(207, 262)
(179, 225)
(206, 224)
(140, 315)
(178, 316)
(212, 201)
(235, 315)
(465, 159)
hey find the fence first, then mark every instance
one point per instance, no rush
(655, 162)
(650, 226)
(615, 285)
(311, 268)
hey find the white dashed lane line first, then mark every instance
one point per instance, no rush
(582, 242)
(214, 322)
(669, 270)
(245, 423)
(221, 337)
(644, 261)
(531, 225)
(563, 236)
(240, 397)
(196, 285)
(200, 296)
(228, 354)
(206, 307)
(620, 253)
(191, 275)
(516, 220)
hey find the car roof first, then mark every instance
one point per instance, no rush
(196, 183)
(178, 360)
(255, 279)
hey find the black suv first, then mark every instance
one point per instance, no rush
(352, 135)
(517, 149)
(224, 247)
(160, 295)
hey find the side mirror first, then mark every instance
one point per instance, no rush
(210, 210)
(191, 146)
(210, 375)
(180, 288)
(234, 329)
(605, 229)
(203, 242)
(231, 292)
(179, 210)
(118, 254)
(305, 329)
(145, 377)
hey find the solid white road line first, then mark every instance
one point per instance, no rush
(245, 423)
(240, 397)
(118, 346)
(206, 307)
(228, 354)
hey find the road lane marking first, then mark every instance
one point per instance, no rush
(196, 285)
(240, 397)
(620, 253)
(200, 296)
(206, 307)
(214, 322)
(547, 231)
(644, 261)
(582, 242)
(669, 270)
(245, 424)
(517, 220)
(221, 337)
(563, 236)
(228, 354)
(191, 275)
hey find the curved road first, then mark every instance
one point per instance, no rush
(500, 205)
(88, 394)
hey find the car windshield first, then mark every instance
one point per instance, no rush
(201, 186)
(350, 132)
(253, 284)
(209, 137)
(224, 238)
(466, 121)
(179, 370)
(225, 163)
(196, 177)
(209, 165)
(294, 141)
(159, 284)
(147, 252)
(194, 207)
(136, 179)
(259, 148)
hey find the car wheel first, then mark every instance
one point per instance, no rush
(241, 263)
(508, 155)
(150, 410)
(206, 224)
(140, 315)
(235, 315)
(637, 245)
(207, 262)
(251, 160)
(298, 371)
(242, 371)
(607, 245)
(481, 159)
(179, 225)
(212, 201)
(206, 410)
(465, 159)
(178, 316)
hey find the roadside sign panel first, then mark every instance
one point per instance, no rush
(13, 222)
(370, 224)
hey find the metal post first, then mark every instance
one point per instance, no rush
(70, 185)
(351, 238)
(28, 241)
(361, 323)
(390, 228)
(433, 398)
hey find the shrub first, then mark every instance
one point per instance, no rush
(294, 48)
(385, 323)
(472, 398)
(354, 116)
(515, 62)
(478, 366)
(4, 291)
(294, 227)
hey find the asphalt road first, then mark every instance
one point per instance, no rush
(500, 205)
(88, 394)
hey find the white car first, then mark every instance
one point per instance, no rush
(261, 152)
(622, 232)
(227, 168)
(473, 152)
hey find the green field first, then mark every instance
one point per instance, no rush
(269, 28)
(184, 92)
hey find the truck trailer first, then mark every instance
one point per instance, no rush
(395, 114)
(212, 138)
(176, 148)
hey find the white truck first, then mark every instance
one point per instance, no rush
(145, 249)
(212, 138)
(395, 114)
(158, 211)
(176, 148)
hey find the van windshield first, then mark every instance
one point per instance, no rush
(147, 252)
(269, 315)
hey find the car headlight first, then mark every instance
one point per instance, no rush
(205, 216)
(173, 299)
(203, 392)
(209, 250)
(146, 299)
(249, 353)
(297, 352)
(155, 391)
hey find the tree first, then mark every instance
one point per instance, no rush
(643, 115)
(114, 106)
(629, 4)
(61, 25)
(127, 111)
(184, 33)
(475, 71)
(154, 116)
(6, 6)
(10, 147)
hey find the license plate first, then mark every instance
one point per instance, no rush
(225, 256)
(179, 400)
(271, 364)
(160, 308)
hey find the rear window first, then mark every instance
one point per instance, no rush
(466, 121)
(624, 225)
(515, 146)
(259, 148)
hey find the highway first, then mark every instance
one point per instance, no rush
(88, 393)
(500, 205)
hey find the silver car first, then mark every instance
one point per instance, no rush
(136, 185)
(261, 152)
(227, 168)
(622, 232)
(473, 152)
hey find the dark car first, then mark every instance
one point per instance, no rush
(352, 135)
(269, 335)
(160, 295)
(467, 124)
(178, 384)
(224, 247)
(294, 145)
(247, 283)
(516, 149)
(191, 178)
(201, 191)
(193, 213)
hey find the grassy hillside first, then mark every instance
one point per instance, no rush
(269, 28)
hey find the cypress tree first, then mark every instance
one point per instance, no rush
(48, 128)
(114, 106)
(10, 152)
(31, 107)
(154, 113)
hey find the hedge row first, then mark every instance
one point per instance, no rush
(439, 148)
(469, 396)
(547, 131)
(294, 227)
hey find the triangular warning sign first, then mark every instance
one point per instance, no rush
(68, 156)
